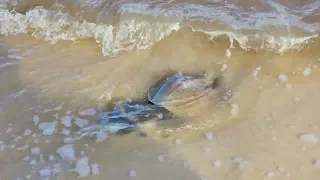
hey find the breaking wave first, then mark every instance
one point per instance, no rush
(141, 25)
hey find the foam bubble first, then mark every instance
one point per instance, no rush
(13, 56)
(208, 135)
(36, 119)
(66, 121)
(95, 169)
(48, 128)
(65, 132)
(56, 168)
(207, 150)
(45, 172)
(23, 148)
(228, 53)
(256, 71)
(13, 50)
(240, 162)
(41, 158)
(81, 122)
(224, 67)
(234, 110)
(161, 158)
(280, 169)
(289, 86)
(88, 112)
(35, 150)
(307, 71)
(66, 152)
(82, 167)
(132, 173)
(27, 132)
(216, 164)
(101, 136)
(9, 130)
(282, 77)
(26, 158)
(178, 141)
(317, 163)
(270, 174)
(51, 157)
(308, 137)
(36, 141)
(33, 162)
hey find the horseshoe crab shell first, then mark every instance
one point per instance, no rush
(180, 90)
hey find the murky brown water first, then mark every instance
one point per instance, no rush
(50, 81)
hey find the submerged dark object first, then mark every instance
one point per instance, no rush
(129, 116)
(125, 118)
(174, 91)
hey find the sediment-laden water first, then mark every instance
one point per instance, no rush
(60, 58)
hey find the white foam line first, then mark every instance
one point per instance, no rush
(19, 93)
(132, 33)
(13, 50)
(58, 108)
(13, 56)
(269, 42)
(6, 64)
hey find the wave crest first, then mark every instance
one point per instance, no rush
(132, 31)
(56, 25)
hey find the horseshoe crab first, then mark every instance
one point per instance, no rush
(182, 90)
(176, 91)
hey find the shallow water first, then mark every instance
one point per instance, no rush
(54, 64)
